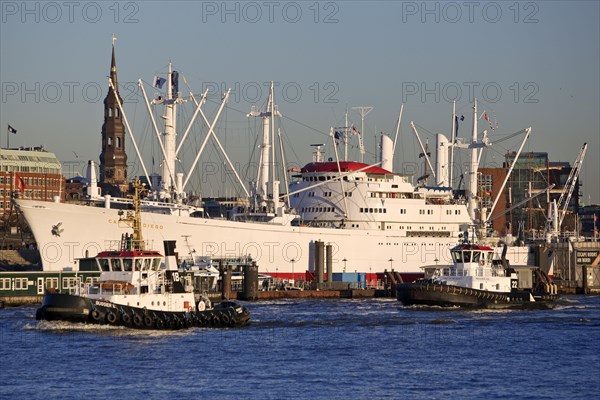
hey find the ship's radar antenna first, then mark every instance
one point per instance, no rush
(318, 153)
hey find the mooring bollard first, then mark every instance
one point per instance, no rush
(250, 282)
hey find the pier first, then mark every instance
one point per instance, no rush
(573, 263)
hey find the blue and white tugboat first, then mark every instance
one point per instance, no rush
(139, 288)
(475, 280)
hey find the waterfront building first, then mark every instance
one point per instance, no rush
(30, 173)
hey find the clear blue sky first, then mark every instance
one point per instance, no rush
(530, 64)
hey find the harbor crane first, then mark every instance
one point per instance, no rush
(563, 202)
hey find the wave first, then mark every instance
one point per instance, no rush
(64, 327)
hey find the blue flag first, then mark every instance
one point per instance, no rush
(159, 82)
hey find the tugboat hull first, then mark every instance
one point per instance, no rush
(72, 308)
(433, 294)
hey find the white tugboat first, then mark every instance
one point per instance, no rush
(475, 281)
(139, 288)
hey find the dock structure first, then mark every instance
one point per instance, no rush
(574, 264)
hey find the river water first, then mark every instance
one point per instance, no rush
(314, 349)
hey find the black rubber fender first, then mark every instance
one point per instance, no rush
(137, 320)
(201, 319)
(126, 318)
(111, 317)
(225, 318)
(148, 321)
(96, 316)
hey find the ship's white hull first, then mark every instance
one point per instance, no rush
(66, 232)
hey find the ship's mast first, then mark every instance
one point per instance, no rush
(363, 111)
(134, 218)
(472, 187)
(346, 136)
(169, 138)
(452, 142)
(267, 152)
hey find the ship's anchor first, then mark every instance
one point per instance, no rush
(56, 231)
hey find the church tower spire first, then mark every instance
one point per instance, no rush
(113, 159)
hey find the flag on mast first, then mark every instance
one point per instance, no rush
(456, 119)
(20, 183)
(11, 129)
(485, 116)
(159, 82)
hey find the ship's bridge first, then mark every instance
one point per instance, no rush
(354, 172)
(344, 167)
(472, 254)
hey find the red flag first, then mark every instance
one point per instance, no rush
(485, 116)
(20, 183)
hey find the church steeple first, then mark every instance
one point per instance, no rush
(113, 66)
(113, 159)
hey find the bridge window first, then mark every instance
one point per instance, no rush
(457, 256)
(116, 265)
(467, 256)
(104, 266)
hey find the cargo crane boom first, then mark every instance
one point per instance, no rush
(565, 197)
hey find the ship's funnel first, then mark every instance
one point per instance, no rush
(386, 153)
(441, 160)
(170, 259)
(93, 191)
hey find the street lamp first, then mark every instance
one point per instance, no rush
(391, 260)
(344, 260)
(293, 276)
